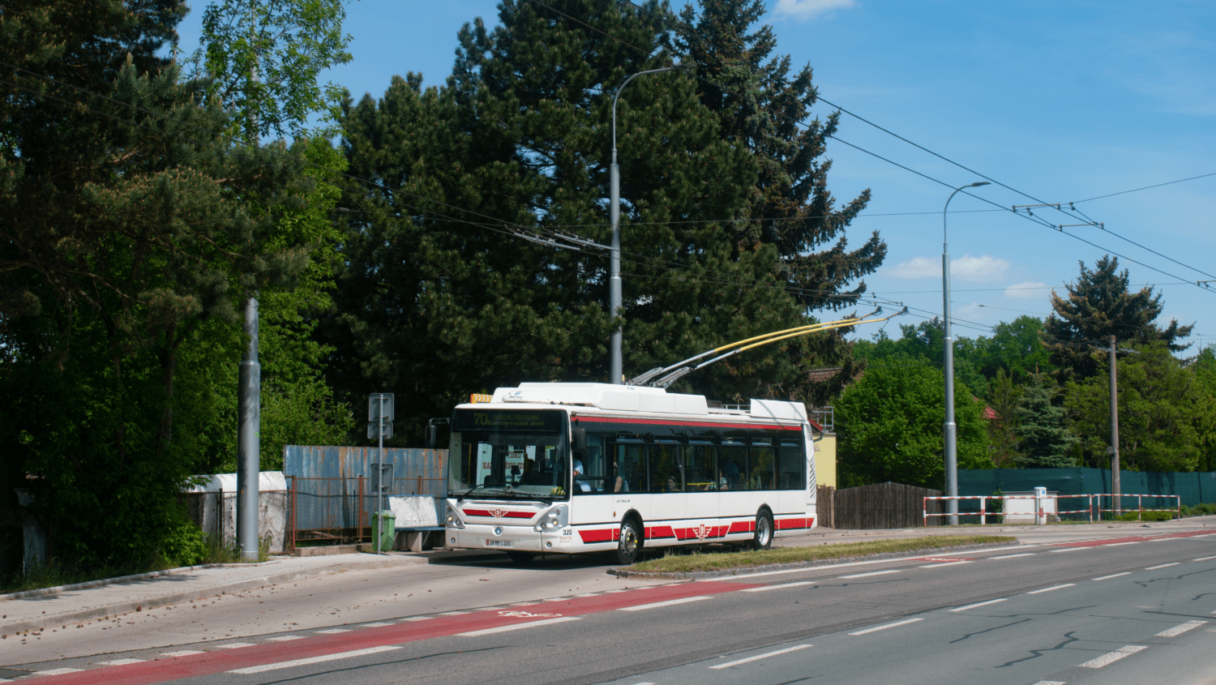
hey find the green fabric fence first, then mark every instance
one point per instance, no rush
(1192, 488)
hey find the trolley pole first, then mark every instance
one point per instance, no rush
(1114, 426)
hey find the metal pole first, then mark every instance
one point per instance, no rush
(1114, 428)
(380, 479)
(949, 427)
(249, 438)
(616, 371)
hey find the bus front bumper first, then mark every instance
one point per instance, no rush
(511, 538)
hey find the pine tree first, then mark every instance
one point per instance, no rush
(1043, 441)
(1098, 306)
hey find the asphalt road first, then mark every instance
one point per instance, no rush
(1129, 610)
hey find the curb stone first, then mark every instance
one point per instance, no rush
(147, 603)
(816, 563)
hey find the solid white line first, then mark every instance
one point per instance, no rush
(1112, 657)
(285, 638)
(375, 625)
(235, 645)
(1114, 575)
(750, 659)
(1014, 556)
(1203, 558)
(454, 613)
(871, 573)
(314, 660)
(332, 631)
(57, 671)
(1049, 589)
(121, 662)
(184, 652)
(670, 602)
(517, 626)
(1181, 628)
(1120, 544)
(979, 604)
(889, 625)
(947, 563)
(766, 588)
(414, 618)
(1154, 568)
(1067, 549)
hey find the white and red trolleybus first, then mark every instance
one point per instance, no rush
(588, 467)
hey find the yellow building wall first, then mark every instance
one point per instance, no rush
(825, 460)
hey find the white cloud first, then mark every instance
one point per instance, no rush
(809, 9)
(1030, 290)
(965, 268)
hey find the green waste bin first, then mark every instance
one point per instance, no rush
(386, 529)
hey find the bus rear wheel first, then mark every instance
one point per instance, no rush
(630, 544)
(763, 539)
(521, 557)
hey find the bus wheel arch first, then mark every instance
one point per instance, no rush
(631, 539)
(765, 529)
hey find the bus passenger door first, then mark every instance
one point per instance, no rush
(701, 481)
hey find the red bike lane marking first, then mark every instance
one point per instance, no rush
(1134, 538)
(210, 663)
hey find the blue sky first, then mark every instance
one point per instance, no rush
(1064, 100)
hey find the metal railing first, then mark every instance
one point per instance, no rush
(1093, 506)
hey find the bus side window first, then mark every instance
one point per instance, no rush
(732, 465)
(792, 464)
(763, 466)
(665, 468)
(631, 467)
(702, 468)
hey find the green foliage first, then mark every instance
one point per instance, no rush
(183, 544)
(1145, 516)
(263, 57)
(435, 300)
(890, 426)
(1004, 397)
(1203, 509)
(1098, 306)
(1043, 439)
(1163, 415)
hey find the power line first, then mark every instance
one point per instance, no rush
(1136, 190)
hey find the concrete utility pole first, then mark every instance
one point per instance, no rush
(249, 422)
(249, 438)
(949, 427)
(616, 372)
(1114, 427)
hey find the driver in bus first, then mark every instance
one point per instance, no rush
(581, 484)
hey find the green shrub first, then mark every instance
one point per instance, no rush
(1145, 516)
(184, 544)
(1204, 509)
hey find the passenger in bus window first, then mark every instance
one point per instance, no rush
(581, 484)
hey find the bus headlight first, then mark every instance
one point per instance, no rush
(453, 518)
(556, 518)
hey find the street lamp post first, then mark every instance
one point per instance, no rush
(951, 430)
(616, 373)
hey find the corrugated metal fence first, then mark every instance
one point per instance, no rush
(330, 490)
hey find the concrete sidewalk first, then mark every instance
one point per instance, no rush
(74, 604)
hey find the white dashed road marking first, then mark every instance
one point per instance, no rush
(235, 645)
(1154, 568)
(313, 660)
(889, 625)
(1112, 657)
(517, 626)
(766, 588)
(284, 638)
(871, 573)
(121, 662)
(333, 631)
(670, 602)
(1114, 575)
(1203, 558)
(979, 604)
(184, 652)
(57, 671)
(375, 625)
(1049, 589)
(1051, 682)
(1067, 549)
(1014, 556)
(1181, 628)
(946, 563)
(750, 659)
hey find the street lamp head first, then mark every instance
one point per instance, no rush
(978, 184)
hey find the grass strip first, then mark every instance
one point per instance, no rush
(677, 562)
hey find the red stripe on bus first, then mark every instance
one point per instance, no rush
(788, 524)
(702, 424)
(657, 532)
(504, 514)
(520, 514)
(593, 536)
(477, 512)
(742, 527)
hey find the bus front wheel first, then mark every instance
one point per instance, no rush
(763, 538)
(630, 543)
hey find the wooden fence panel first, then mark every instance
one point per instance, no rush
(879, 506)
(824, 505)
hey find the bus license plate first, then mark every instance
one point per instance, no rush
(498, 543)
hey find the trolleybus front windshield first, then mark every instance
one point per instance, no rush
(508, 453)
